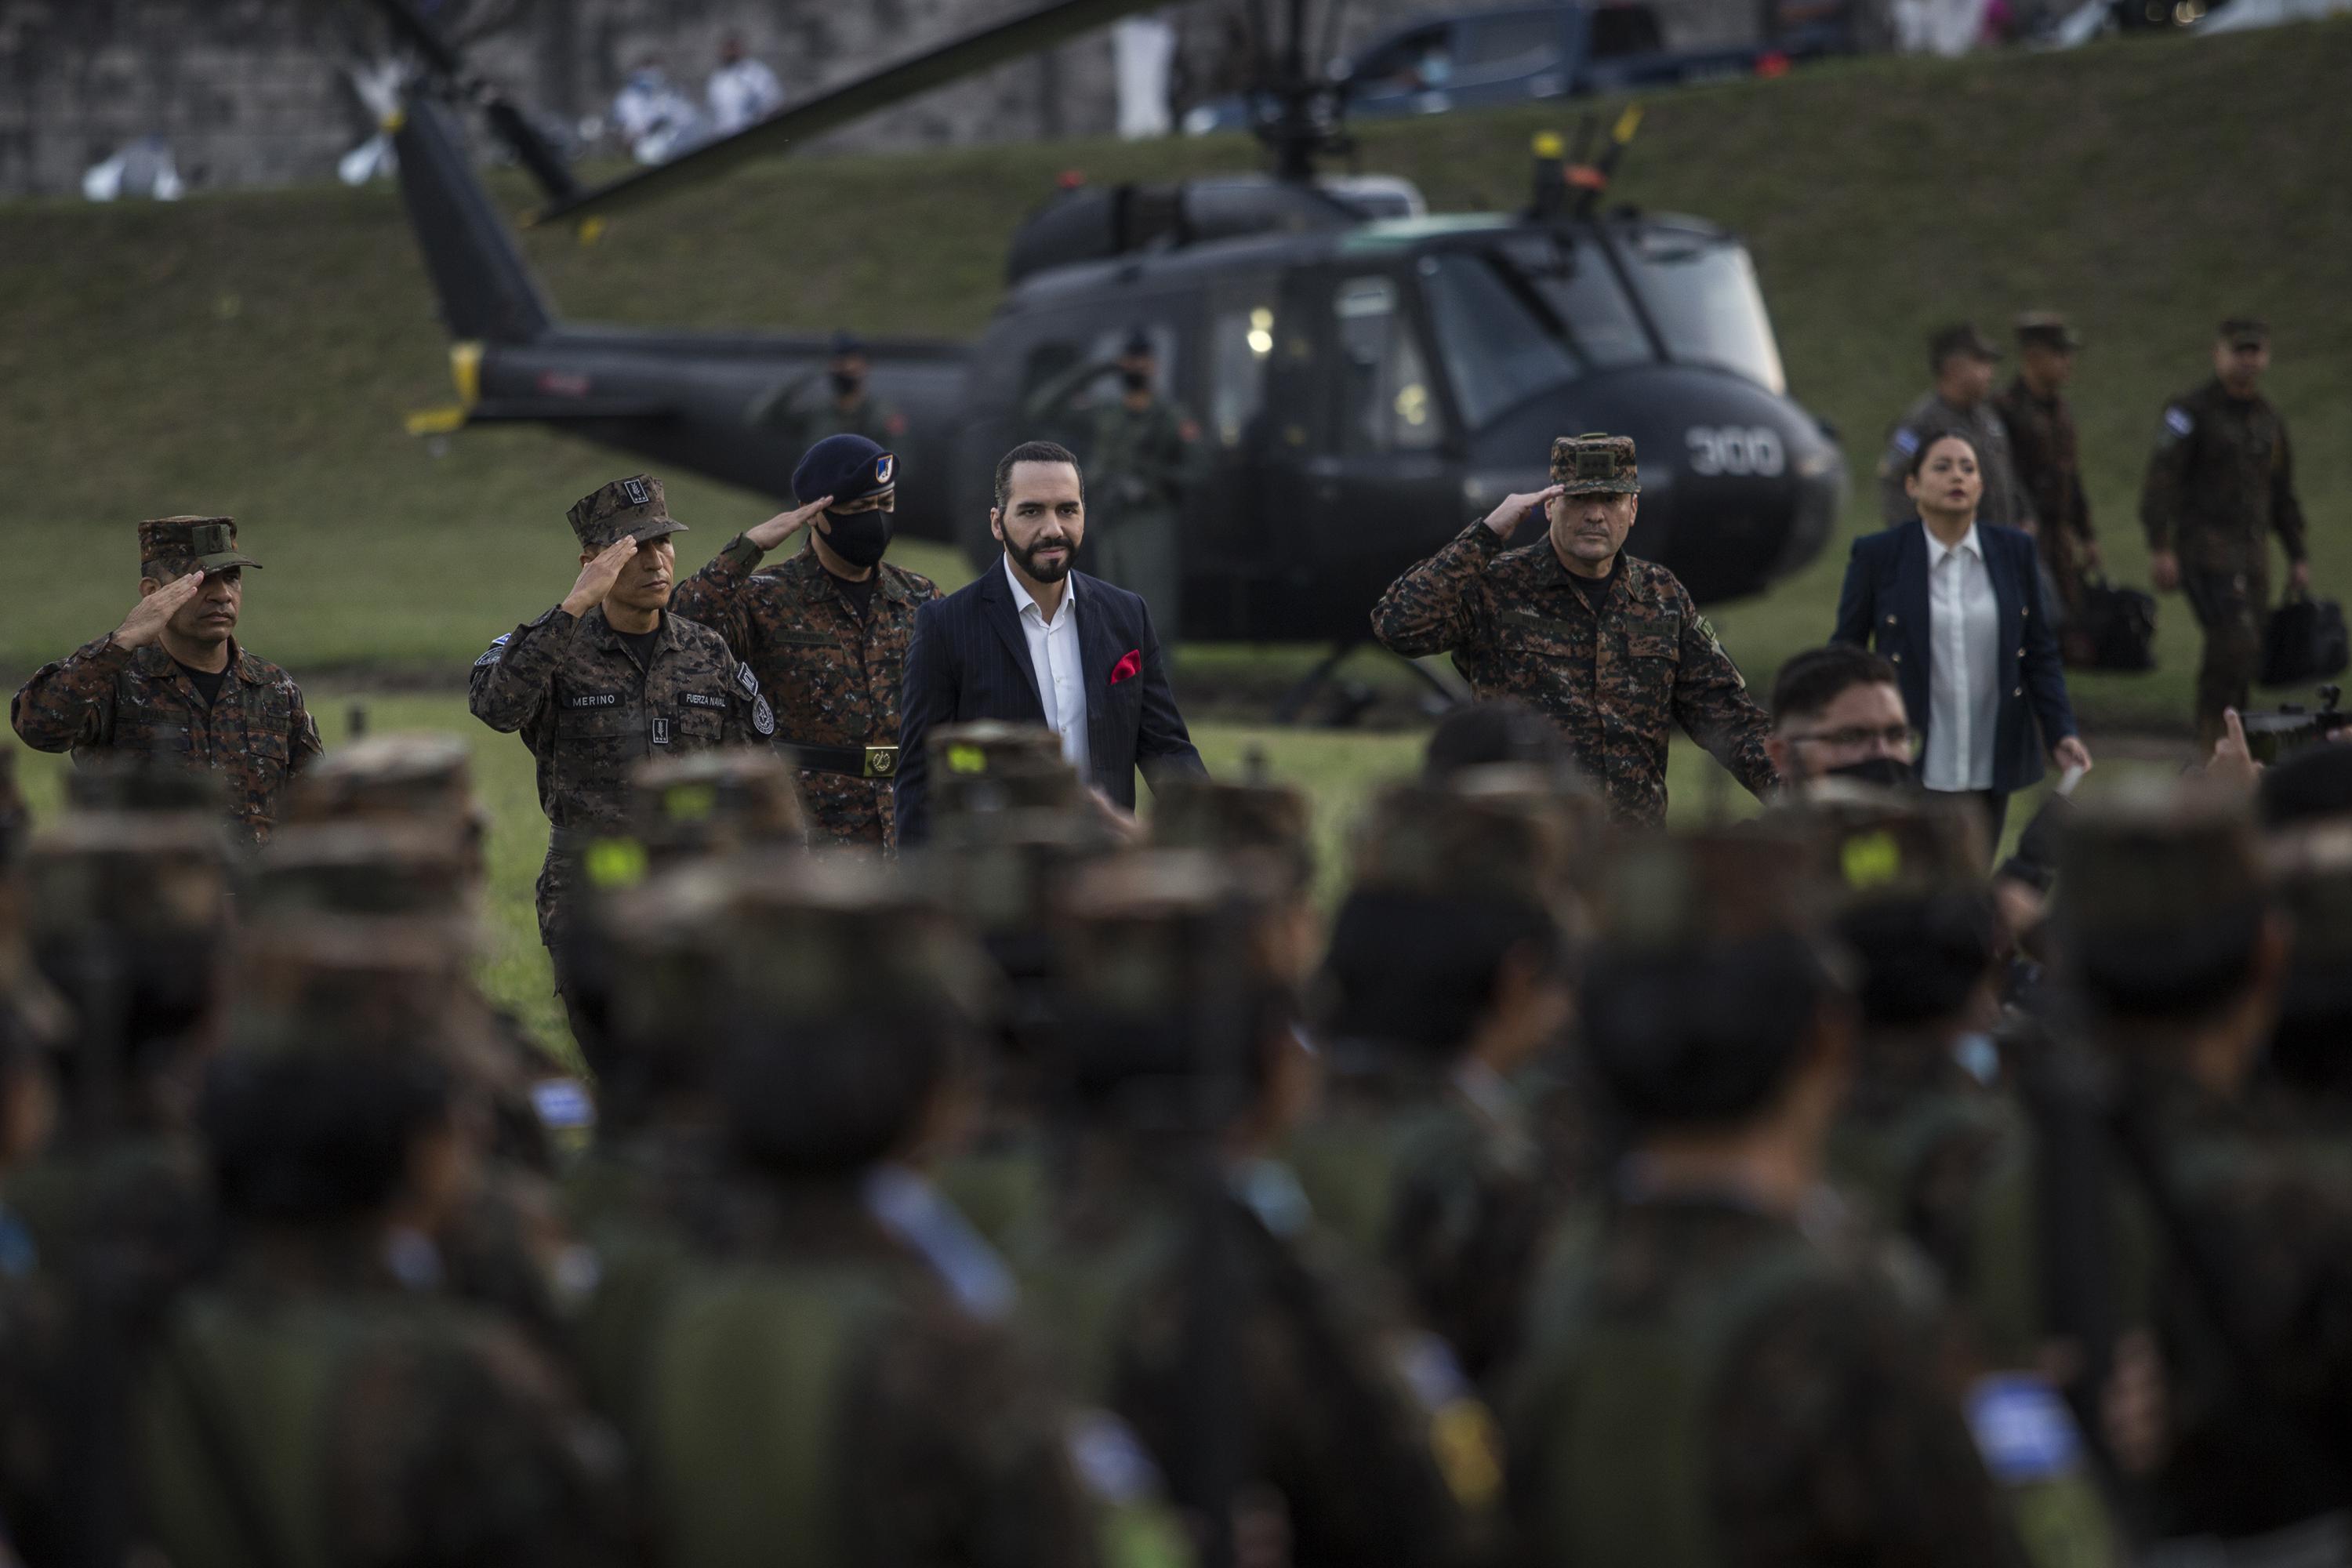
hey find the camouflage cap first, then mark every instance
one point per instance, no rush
(2245, 332)
(146, 783)
(1662, 893)
(191, 543)
(1174, 941)
(1873, 844)
(1596, 465)
(848, 938)
(632, 506)
(1465, 843)
(717, 803)
(992, 765)
(2156, 860)
(2049, 330)
(411, 775)
(139, 874)
(409, 868)
(1264, 819)
(1960, 338)
(345, 984)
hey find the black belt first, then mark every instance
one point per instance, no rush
(857, 762)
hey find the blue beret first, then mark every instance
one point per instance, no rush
(846, 468)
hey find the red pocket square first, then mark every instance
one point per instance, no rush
(1130, 666)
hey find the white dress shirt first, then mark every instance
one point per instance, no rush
(1963, 666)
(1054, 656)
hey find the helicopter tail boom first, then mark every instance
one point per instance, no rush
(485, 288)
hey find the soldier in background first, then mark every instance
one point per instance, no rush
(1610, 649)
(321, 1400)
(607, 678)
(1711, 1377)
(802, 412)
(2220, 483)
(1141, 450)
(826, 632)
(172, 684)
(1961, 359)
(2046, 452)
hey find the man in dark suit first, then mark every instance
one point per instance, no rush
(1034, 642)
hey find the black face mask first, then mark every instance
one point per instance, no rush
(859, 537)
(1134, 380)
(845, 382)
(1885, 772)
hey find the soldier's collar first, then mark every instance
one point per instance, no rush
(155, 659)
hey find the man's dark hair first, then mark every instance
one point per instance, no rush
(1419, 970)
(1704, 1037)
(1034, 452)
(1819, 676)
(2311, 785)
(1928, 442)
(2181, 974)
(317, 1134)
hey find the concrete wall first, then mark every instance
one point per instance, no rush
(252, 91)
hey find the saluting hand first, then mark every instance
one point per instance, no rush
(784, 524)
(144, 624)
(597, 577)
(1505, 516)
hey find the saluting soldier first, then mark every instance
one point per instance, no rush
(826, 632)
(607, 678)
(802, 412)
(2046, 452)
(2220, 481)
(171, 683)
(1612, 648)
(1961, 360)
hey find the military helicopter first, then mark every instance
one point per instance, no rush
(1368, 377)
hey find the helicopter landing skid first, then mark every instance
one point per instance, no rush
(1353, 696)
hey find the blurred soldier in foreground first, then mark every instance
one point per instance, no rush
(1961, 359)
(321, 1401)
(1447, 974)
(2220, 483)
(1711, 1378)
(172, 684)
(1609, 647)
(607, 678)
(1173, 1270)
(826, 632)
(826, 1357)
(2042, 444)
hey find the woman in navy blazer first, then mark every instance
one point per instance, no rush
(1923, 589)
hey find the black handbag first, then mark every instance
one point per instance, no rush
(2112, 628)
(2304, 641)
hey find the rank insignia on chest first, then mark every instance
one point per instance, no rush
(661, 731)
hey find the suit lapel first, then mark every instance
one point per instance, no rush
(1098, 639)
(1911, 604)
(997, 609)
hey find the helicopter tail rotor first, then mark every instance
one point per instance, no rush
(541, 157)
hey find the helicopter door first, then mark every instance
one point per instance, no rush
(1388, 477)
(1238, 506)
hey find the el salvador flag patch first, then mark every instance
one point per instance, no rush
(495, 651)
(2023, 1430)
(1906, 440)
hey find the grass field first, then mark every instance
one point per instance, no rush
(254, 353)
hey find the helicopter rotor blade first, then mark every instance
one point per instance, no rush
(507, 123)
(976, 51)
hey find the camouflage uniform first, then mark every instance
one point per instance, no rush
(318, 1402)
(2219, 482)
(831, 673)
(1713, 1379)
(102, 700)
(1139, 465)
(1612, 675)
(2045, 452)
(588, 710)
(1186, 1291)
(803, 412)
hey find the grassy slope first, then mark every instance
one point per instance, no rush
(253, 353)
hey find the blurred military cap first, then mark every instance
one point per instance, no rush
(144, 783)
(1662, 893)
(632, 507)
(411, 868)
(2245, 332)
(2306, 787)
(1163, 937)
(130, 872)
(847, 936)
(1875, 843)
(417, 773)
(1268, 819)
(1501, 730)
(1482, 839)
(345, 984)
(2049, 330)
(2154, 860)
(990, 765)
(1596, 464)
(716, 803)
(1960, 338)
(191, 543)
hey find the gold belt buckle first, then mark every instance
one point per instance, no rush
(881, 762)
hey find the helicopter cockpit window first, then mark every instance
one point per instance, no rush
(1385, 400)
(1496, 351)
(1421, 61)
(1701, 291)
(1577, 281)
(1517, 41)
(1241, 344)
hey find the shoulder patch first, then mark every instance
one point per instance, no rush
(1906, 440)
(2023, 1430)
(2176, 420)
(764, 718)
(495, 651)
(745, 682)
